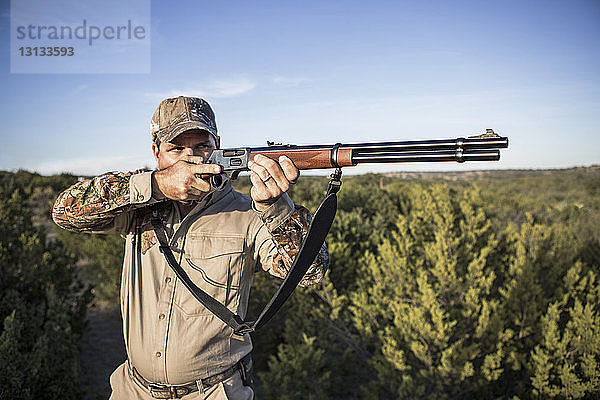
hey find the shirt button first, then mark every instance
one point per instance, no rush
(158, 354)
(161, 316)
(168, 279)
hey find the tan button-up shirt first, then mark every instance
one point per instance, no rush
(170, 337)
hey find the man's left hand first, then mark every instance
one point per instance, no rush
(270, 179)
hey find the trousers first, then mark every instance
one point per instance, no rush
(125, 388)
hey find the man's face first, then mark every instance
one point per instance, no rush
(190, 143)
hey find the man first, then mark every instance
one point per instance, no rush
(175, 346)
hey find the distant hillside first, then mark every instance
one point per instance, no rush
(591, 171)
(576, 172)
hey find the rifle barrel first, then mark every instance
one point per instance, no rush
(427, 156)
(477, 148)
(400, 146)
(430, 145)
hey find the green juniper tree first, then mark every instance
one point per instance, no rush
(426, 302)
(41, 307)
(455, 309)
(566, 362)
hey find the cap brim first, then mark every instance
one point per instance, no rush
(184, 127)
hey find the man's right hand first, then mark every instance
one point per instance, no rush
(182, 181)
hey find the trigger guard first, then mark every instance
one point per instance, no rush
(218, 181)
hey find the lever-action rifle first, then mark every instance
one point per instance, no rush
(478, 148)
(474, 148)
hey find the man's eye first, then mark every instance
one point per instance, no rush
(177, 148)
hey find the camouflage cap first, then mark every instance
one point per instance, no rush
(177, 115)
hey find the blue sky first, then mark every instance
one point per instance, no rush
(323, 72)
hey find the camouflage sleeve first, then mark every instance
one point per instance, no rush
(288, 238)
(92, 205)
(282, 229)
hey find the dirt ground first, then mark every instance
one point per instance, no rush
(102, 350)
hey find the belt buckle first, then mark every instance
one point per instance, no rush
(162, 391)
(159, 391)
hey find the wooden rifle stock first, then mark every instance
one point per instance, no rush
(310, 158)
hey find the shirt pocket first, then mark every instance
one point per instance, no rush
(214, 263)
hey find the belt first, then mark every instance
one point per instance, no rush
(160, 391)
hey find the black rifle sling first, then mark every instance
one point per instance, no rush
(311, 246)
(315, 237)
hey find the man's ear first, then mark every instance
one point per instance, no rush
(156, 150)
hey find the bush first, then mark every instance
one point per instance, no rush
(42, 307)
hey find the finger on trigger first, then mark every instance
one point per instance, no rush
(200, 185)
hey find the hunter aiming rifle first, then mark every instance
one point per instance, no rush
(233, 161)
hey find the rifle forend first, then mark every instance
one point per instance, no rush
(474, 148)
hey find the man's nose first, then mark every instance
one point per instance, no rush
(200, 153)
